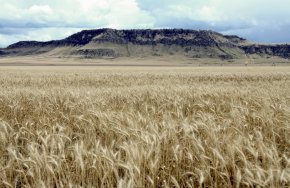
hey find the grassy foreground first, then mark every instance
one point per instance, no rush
(144, 127)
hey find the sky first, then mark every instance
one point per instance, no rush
(43, 20)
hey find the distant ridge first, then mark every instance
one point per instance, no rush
(111, 43)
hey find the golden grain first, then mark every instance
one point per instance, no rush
(144, 127)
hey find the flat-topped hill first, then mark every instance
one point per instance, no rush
(111, 43)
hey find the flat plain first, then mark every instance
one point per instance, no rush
(145, 126)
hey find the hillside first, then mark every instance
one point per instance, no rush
(110, 43)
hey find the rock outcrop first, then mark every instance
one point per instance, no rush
(130, 43)
(270, 50)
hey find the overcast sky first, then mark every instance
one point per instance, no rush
(256, 20)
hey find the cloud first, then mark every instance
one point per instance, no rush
(78, 13)
(264, 34)
(127, 14)
(40, 9)
(259, 20)
(38, 34)
(210, 13)
(23, 20)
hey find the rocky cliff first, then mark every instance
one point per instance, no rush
(270, 50)
(142, 43)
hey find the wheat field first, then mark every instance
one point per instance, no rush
(145, 127)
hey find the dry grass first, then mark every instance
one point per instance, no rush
(145, 127)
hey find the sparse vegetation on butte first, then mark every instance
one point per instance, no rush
(145, 127)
